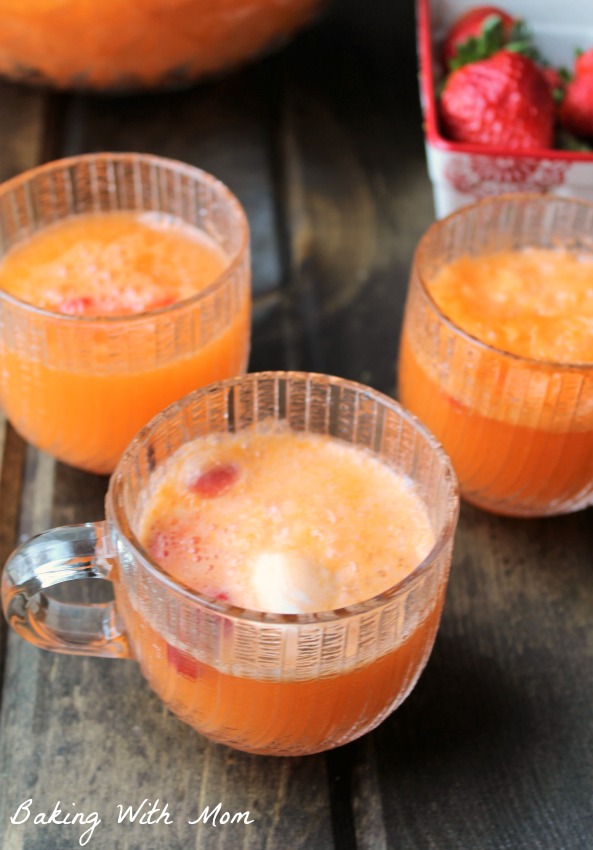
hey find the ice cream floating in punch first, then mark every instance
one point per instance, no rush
(279, 546)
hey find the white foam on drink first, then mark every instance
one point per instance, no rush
(307, 524)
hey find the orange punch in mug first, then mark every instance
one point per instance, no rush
(279, 546)
(124, 285)
(497, 350)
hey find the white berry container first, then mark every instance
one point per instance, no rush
(463, 173)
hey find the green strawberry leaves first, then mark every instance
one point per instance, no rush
(493, 38)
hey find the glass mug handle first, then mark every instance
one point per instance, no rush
(52, 558)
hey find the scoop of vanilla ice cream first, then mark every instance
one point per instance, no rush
(288, 583)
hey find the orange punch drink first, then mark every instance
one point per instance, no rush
(279, 546)
(497, 351)
(122, 45)
(124, 284)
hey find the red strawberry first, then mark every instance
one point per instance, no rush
(584, 63)
(504, 100)
(471, 25)
(576, 111)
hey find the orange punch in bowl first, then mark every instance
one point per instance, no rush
(118, 44)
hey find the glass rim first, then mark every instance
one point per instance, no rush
(174, 165)
(494, 200)
(445, 533)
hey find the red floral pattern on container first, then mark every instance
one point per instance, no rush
(481, 176)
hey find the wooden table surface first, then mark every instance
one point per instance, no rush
(322, 142)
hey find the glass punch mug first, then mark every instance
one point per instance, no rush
(519, 431)
(81, 386)
(277, 684)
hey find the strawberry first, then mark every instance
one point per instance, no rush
(216, 480)
(576, 110)
(504, 100)
(480, 32)
(584, 63)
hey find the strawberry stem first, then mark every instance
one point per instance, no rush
(490, 41)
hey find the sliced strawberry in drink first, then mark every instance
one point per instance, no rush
(163, 301)
(221, 597)
(183, 663)
(76, 305)
(215, 480)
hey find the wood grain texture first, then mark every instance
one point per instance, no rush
(355, 194)
(495, 745)
(21, 121)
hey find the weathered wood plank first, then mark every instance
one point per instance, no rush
(11, 477)
(119, 745)
(356, 193)
(29, 120)
(21, 120)
(495, 746)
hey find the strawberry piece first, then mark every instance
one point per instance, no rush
(215, 481)
(76, 305)
(159, 303)
(576, 110)
(182, 662)
(221, 597)
(473, 31)
(504, 100)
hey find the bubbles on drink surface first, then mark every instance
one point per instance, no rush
(283, 522)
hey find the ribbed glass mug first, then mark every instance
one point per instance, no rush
(519, 431)
(277, 684)
(80, 387)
